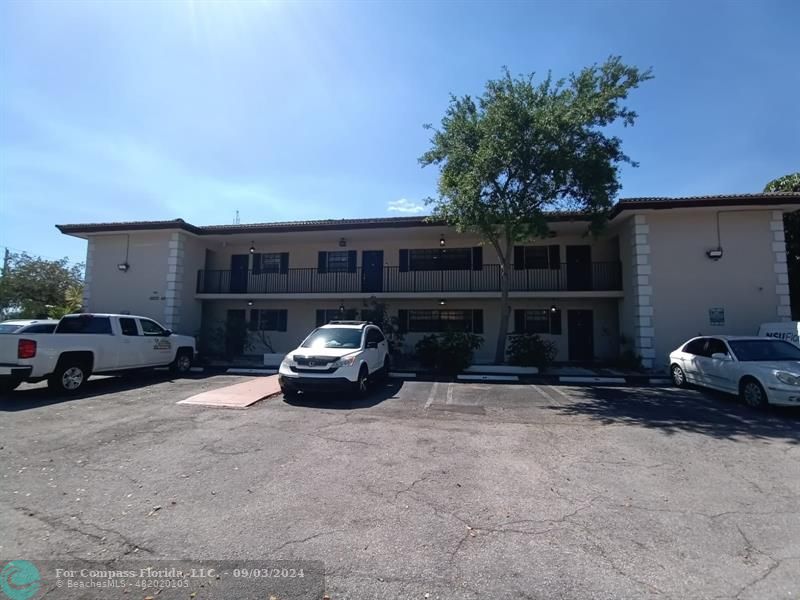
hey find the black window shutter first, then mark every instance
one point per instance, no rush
(256, 264)
(555, 256)
(477, 258)
(322, 262)
(282, 318)
(519, 321)
(284, 262)
(352, 257)
(254, 319)
(555, 322)
(477, 321)
(320, 317)
(402, 320)
(519, 257)
(403, 260)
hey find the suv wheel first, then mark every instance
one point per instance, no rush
(361, 386)
(68, 377)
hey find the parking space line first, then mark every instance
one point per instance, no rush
(546, 394)
(432, 395)
(449, 393)
(564, 394)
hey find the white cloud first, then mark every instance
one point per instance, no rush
(405, 206)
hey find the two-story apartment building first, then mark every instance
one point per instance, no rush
(662, 270)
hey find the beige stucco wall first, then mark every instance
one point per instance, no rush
(301, 319)
(686, 283)
(141, 290)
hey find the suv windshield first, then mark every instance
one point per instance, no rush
(334, 337)
(756, 350)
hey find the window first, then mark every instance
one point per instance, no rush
(432, 321)
(696, 347)
(128, 327)
(85, 324)
(436, 259)
(268, 320)
(337, 262)
(537, 320)
(374, 335)
(716, 346)
(334, 337)
(765, 350)
(326, 315)
(40, 329)
(537, 257)
(269, 263)
(151, 327)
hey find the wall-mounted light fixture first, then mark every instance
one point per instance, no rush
(442, 301)
(714, 254)
(123, 267)
(342, 242)
(441, 241)
(252, 247)
(341, 308)
(553, 308)
(249, 303)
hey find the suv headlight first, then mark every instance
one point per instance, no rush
(288, 362)
(787, 378)
(345, 361)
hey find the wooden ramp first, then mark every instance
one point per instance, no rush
(239, 395)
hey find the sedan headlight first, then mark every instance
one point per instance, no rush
(787, 378)
(345, 361)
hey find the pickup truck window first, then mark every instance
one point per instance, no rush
(151, 327)
(128, 327)
(85, 324)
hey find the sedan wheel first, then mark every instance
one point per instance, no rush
(678, 376)
(753, 394)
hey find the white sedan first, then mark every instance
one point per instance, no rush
(760, 370)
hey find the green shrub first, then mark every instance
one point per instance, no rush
(427, 351)
(529, 350)
(449, 352)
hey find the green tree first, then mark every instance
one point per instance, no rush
(791, 223)
(33, 287)
(525, 148)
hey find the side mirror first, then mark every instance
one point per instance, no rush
(371, 345)
(720, 356)
(168, 332)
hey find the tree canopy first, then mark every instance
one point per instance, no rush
(524, 148)
(34, 287)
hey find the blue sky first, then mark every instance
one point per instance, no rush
(194, 109)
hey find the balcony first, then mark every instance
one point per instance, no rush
(599, 276)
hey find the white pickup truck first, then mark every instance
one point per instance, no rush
(84, 344)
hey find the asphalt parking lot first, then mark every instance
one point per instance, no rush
(422, 490)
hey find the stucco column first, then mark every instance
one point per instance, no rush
(87, 277)
(781, 270)
(644, 327)
(174, 281)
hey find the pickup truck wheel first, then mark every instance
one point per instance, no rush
(9, 385)
(68, 377)
(182, 363)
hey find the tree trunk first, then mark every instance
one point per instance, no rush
(500, 351)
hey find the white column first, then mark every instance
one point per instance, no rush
(88, 275)
(781, 270)
(174, 281)
(644, 327)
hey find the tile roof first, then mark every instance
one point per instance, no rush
(422, 221)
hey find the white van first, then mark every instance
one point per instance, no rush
(789, 331)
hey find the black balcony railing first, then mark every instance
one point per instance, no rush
(599, 276)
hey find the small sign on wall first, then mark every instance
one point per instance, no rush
(716, 316)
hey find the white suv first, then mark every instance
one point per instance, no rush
(339, 355)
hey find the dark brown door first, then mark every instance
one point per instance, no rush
(235, 332)
(239, 265)
(579, 267)
(372, 271)
(580, 334)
